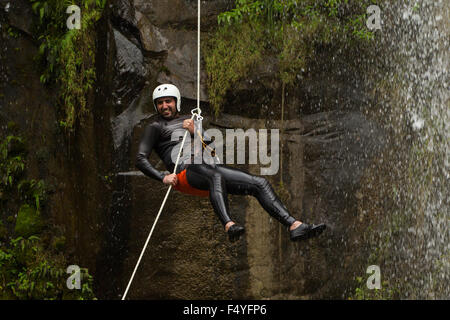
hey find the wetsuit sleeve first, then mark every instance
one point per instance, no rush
(148, 141)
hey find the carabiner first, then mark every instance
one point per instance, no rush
(197, 112)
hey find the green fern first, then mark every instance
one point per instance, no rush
(67, 56)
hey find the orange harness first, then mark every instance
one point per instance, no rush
(184, 187)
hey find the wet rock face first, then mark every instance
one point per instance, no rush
(19, 14)
(167, 39)
(148, 44)
(67, 166)
(188, 256)
(124, 51)
(325, 153)
(182, 13)
(326, 147)
(130, 69)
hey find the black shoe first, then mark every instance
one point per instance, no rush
(235, 232)
(306, 231)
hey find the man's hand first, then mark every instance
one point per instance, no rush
(188, 124)
(171, 179)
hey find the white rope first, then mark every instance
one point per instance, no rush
(198, 116)
(198, 59)
(156, 220)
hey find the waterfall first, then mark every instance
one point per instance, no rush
(413, 87)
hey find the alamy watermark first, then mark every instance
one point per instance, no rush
(374, 20)
(208, 147)
(374, 280)
(74, 280)
(74, 20)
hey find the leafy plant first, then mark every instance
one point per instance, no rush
(12, 32)
(32, 192)
(12, 163)
(67, 57)
(288, 29)
(28, 271)
(30, 268)
(363, 293)
(230, 57)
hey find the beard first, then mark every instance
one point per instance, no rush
(169, 113)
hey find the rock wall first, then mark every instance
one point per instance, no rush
(73, 167)
(107, 216)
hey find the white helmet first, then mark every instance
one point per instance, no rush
(167, 90)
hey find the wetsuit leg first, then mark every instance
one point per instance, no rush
(241, 182)
(238, 182)
(206, 177)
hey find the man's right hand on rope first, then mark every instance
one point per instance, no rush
(188, 124)
(171, 179)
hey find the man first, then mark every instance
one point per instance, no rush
(213, 180)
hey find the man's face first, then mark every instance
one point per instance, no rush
(166, 107)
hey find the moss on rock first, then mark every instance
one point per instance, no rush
(29, 221)
(59, 243)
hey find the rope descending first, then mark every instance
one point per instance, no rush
(195, 113)
(157, 217)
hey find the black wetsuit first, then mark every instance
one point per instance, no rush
(218, 179)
